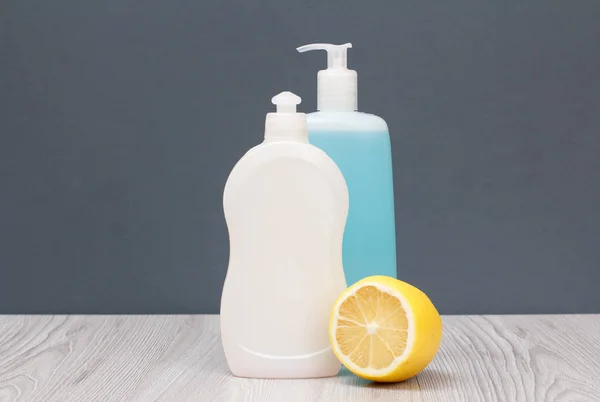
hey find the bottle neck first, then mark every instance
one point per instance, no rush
(336, 104)
(286, 127)
(272, 139)
(337, 90)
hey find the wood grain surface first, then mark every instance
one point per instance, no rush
(179, 358)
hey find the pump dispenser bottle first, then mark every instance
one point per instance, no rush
(359, 143)
(285, 204)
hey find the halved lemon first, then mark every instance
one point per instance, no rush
(383, 329)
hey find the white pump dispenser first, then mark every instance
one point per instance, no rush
(336, 86)
(285, 205)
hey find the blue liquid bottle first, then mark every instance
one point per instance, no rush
(360, 145)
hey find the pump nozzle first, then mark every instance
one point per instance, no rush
(336, 54)
(337, 87)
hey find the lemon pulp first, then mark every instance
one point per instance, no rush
(384, 329)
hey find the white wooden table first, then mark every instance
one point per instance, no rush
(179, 358)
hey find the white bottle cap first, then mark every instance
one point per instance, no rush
(336, 86)
(286, 124)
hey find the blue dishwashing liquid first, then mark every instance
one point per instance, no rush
(365, 160)
(359, 143)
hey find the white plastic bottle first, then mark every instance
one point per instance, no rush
(285, 204)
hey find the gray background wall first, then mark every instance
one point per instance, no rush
(120, 121)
